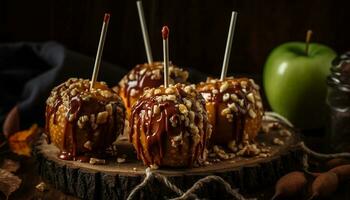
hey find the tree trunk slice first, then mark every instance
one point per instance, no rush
(115, 181)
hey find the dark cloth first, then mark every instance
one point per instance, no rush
(29, 71)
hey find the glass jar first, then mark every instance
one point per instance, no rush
(338, 102)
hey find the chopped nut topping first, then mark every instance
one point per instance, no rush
(285, 133)
(42, 187)
(102, 117)
(88, 145)
(74, 92)
(244, 84)
(188, 103)
(154, 166)
(278, 141)
(169, 90)
(194, 129)
(223, 86)
(82, 120)
(252, 114)
(250, 97)
(259, 104)
(249, 150)
(183, 109)
(71, 117)
(226, 97)
(232, 146)
(157, 91)
(188, 89)
(191, 116)
(225, 111)
(133, 92)
(233, 107)
(171, 98)
(263, 155)
(132, 76)
(241, 102)
(109, 109)
(234, 97)
(96, 161)
(106, 93)
(142, 71)
(121, 160)
(257, 97)
(173, 121)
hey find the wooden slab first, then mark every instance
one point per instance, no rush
(115, 181)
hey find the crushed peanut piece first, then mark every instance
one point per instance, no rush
(41, 187)
(121, 160)
(96, 161)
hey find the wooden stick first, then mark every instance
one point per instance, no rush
(100, 49)
(307, 41)
(165, 35)
(228, 45)
(144, 32)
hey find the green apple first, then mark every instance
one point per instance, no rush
(295, 82)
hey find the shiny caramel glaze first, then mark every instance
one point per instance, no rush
(83, 122)
(234, 109)
(145, 76)
(169, 126)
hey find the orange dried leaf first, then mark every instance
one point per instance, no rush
(20, 142)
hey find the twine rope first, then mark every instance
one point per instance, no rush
(190, 193)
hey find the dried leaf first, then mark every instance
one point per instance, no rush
(10, 165)
(20, 142)
(8, 182)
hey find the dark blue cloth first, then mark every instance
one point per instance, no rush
(28, 72)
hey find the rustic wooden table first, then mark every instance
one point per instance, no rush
(29, 174)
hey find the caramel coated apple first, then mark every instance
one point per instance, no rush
(169, 127)
(83, 122)
(234, 108)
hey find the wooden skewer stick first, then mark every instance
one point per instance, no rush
(165, 35)
(100, 49)
(228, 45)
(307, 41)
(144, 32)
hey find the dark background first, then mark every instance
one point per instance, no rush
(198, 28)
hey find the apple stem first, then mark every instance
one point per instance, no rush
(307, 41)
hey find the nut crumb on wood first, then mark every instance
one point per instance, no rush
(96, 161)
(41, 187)
(121, 160)
(278, 141)
(285, 133)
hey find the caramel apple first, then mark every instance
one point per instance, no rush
(83, 122)
(145, 76)
(169, 127)
(234, 109)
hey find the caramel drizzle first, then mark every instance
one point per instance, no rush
(157, 130)
(75, 105)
